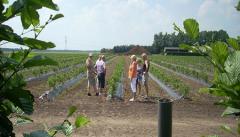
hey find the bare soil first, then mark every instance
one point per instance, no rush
(128, 119)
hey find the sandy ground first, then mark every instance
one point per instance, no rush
(191, 118)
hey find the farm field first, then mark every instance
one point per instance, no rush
(194, 116)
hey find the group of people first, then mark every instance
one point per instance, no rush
(94, 70)
(138, 75)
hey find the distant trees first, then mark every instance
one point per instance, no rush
(173, 40)
(162, 40)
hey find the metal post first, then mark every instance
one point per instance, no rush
(165, 118)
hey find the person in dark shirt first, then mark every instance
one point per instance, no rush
(146, 65)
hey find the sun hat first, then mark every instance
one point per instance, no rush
(90, 54)
(144, 54)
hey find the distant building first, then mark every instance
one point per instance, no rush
(177, 51)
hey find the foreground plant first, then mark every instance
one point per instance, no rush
(15, 101)
(225, 57)
(66, 127)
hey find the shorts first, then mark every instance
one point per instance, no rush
(139, 80)
(91, 81)
(145, 78)
(101, 80)
(134, 85)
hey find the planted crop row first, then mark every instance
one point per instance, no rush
(62, 77)
(195, 62)
(170, 80)
(115, 77)
(185, 70)
(64, 61)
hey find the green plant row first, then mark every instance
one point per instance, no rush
(185, 70)
(195, 62)
(115, 77)
(64, 61)
(170, 80)
(60, 78)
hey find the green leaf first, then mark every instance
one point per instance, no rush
(227, 128)
(14, 9)
(57, 16)
(21, 119)
(38, 44)
(238, 6)
(39, 60)
(185, 46)
(6, 33)
(230, 111)
(5, 1)
(219, 53)
(67, 128)
(45, 3)
(39, 133)
(8, 63)
(192, 28)
(18, 55)
(234, 43)
(71, 110)
(232, 67)
(176, 28)
(81, 121)
(6, 127)
(8, 106)
(29, 16)
(21, 98)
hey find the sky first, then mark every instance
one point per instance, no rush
(96, 24)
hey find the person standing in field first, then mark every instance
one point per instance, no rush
(146, 65)
(91, 74)
(101, 73)
(139, 76)
(132, 74)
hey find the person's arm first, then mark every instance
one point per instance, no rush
(134, 69)
(104, 66)
(147, 66)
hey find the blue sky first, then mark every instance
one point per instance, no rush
(96, 24)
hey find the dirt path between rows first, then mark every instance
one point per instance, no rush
(128, 119)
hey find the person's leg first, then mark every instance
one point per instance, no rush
(146, 84)
(88, 88)
(139, 89)
(94, 86)
(133, 87)
(103, 83)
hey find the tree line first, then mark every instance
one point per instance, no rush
(162, 40)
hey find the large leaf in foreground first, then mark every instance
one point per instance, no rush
(38, 44)
(21, 98)
(39, 60)
(192, 28)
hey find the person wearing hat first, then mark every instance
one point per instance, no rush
(146, 65)
(91, 74)
(132, 74)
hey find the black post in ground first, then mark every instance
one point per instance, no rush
(165, 118)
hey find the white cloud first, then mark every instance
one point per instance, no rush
(119, 22)
(219, 14)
